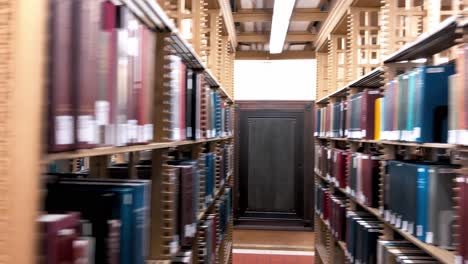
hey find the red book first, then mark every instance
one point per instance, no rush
(340, 168)
(61, 106)
(87, 74)
(109, 26)
(368, 113)
(145, 100)
(57, 232)
(183, 82)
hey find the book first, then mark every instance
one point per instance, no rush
(57, 233)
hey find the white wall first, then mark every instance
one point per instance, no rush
(274, 79)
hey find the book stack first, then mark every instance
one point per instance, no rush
(414, 106)
(188, 186)
(419, 200)
(207, 240)
(101, 76)
(65, 238)
(401, 251)
(338, 216)
(360, 114)
(362, 233)
(458, 124)
(116, 211)
(210, 177)
(461, 234)
(363, 179)
(330, 121)
(322, 201)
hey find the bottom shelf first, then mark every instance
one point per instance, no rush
(321, 252)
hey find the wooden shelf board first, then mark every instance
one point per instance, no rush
(116, 150)
(397, 143)
(229, 250)
(372, 79)
(427, 44)
(445, 256)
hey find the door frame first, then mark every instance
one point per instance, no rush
(243, 108)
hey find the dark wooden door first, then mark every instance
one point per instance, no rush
(274, 185)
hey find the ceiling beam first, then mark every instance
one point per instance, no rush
(265, 38)
(265, 15)
(265, 55)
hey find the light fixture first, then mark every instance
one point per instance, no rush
(282, 12)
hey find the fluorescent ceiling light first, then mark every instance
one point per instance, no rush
(282, 12)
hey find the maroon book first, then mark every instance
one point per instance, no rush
(340, 168)
(57, 232)
(368, 113)
(113, 246)
(145, 100)
(109, 26)
(61, 116)
(186, 205)
(133, 77)
(87, 73)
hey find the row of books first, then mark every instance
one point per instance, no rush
(402, 252)
(101, 86)
(352, 118)
(362, 232)
(414, 107)
(213, 228)
(112, 214)
(197, 111)
(101, 68)
(356, 173)
(419, 198)
(332, 209)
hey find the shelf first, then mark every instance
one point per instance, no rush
(116, 150)
(218, 194)
(427, 44)
(442, 255)
(322, 253)
(229, 250)
(151, 14)
(372, 79)
(396, 143)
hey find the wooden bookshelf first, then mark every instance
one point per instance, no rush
(442, 255)
(125, 149)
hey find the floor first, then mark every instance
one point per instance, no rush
(273, 247)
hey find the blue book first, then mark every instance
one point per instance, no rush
(141, 195)
(72, 195)
(422, 202)
(209, 177)
(411, 105)
(431, 120)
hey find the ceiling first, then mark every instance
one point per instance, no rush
(253, 24)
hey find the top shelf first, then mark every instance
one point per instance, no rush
(373, 79)
(430, 43)
(152, 15)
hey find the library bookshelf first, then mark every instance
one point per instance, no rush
(209, 52)
(434, 33)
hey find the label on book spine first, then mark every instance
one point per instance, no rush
(132, 130)
(429, 237)
(101, 111)
(85, 129)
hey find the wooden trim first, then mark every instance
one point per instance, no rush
(265, 38)
(265, 15)
(21, 104)
(228, 22)
(335, 17)
(265, 55)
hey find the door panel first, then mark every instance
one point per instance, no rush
(271, 162)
